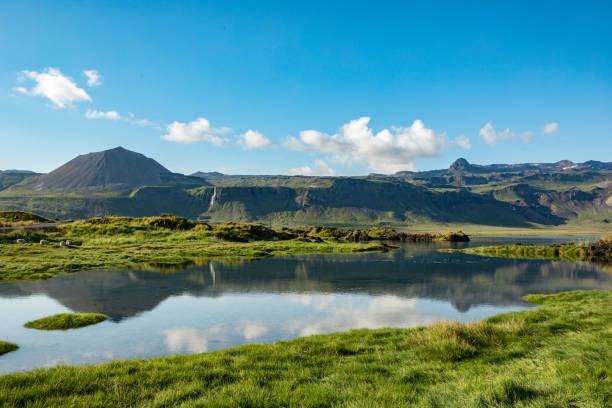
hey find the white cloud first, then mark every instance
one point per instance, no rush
(131, 118)
(114, 115)
(550, 128)
(253, 139)
(387, 151)
(463, 142)
(53, 85)
(491, 136)
(96, 114)
(93, 78)
(320, 169)
(197, 131)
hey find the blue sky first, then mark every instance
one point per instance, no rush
(274, 87)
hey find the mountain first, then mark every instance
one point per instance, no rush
(121, 182)
(13, 171)
(116, 169)
(12, 177)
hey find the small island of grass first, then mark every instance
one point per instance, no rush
(6, 347)
(599, 252)
(66, 321)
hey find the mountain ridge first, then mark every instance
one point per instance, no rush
(499, 194)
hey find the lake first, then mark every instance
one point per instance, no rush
(225, 304)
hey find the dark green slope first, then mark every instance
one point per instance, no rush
(9, 178)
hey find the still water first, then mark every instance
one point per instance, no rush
(220, 304)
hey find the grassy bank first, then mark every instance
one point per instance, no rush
(597, 252)
(66, 321)
(17, 218)
(155, 242)
(6, 347)
(555, 355)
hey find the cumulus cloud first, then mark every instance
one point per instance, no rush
(197, 131)
(491, 136)
(253, 139)
(387, 151)
(93, 78)
(96, 114)
(550, 128)
(320, 169)
(53, 85)
(463, 142)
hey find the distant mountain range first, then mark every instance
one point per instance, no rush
(121, 182)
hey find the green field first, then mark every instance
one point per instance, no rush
(556, 355)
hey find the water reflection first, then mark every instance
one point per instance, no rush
(382, 311)
(463, 280)
(218, 305)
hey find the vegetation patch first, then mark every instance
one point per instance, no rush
(66, 321)
(167, 241)
(598, 252)
(557, 354)
(19, 218)
(6, 347)
(375, 234)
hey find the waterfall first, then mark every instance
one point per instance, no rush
(212, 199)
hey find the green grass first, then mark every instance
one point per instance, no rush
(597, 252)
(21, 216)
(556, 355)
(155, 242)
(6, 347)
(66, 321)
(564, 252)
